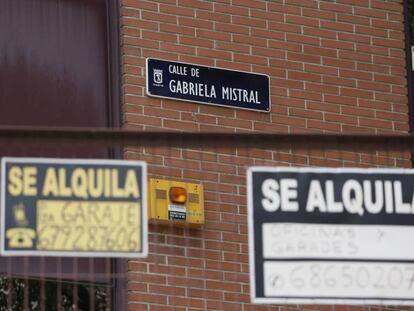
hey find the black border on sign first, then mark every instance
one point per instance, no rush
(144, 222)
(200, 102)
(316, 299)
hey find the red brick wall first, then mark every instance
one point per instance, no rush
(334, 66)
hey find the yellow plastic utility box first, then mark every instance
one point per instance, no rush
(175, 202)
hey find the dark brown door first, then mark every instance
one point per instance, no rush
(58, 67)
(54, 63)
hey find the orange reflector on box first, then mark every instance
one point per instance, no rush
(178, 195)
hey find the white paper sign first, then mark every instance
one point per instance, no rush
(331, 235)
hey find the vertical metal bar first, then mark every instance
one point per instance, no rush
(117, 296)
(59, 284)
(110, 288)
(114, 121)
(75, 293)
(91, 286)
(9, 285)
(42, 284)
(113, 62)
(26, 282)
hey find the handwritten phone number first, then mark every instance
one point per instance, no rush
(88, 238)
(335, 278)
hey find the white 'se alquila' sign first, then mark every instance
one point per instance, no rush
(331, 235)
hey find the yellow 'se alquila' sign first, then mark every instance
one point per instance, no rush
(67, 207)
